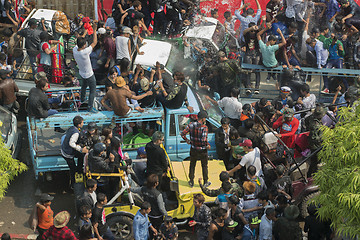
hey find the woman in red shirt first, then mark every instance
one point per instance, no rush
(288, 126)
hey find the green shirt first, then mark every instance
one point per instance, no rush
(268, 54)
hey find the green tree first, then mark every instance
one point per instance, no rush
(339, 177)
(9, 168)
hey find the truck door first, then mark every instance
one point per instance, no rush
(183, 149)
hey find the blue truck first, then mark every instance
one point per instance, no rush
(45, 142)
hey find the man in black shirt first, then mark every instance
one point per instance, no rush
(156, 157)
(32, 36)
(351, 12)
(10, 13)
(38, 105)
(101, 229)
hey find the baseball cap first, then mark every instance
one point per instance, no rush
(120, 82)
(144, 84)
(230, 223)
(46, 197)
(246, 143)
(289, 112)
(127, 30)
(285, 89)
(141, 151)
(101, 31)
(221, 54)
(254, 219)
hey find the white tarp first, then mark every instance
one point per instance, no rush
(205, 30)
(153, 51)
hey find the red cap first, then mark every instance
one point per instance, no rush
(246, 143)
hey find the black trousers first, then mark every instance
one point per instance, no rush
(201, 155)
(73, 167)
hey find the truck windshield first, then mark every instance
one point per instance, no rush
(219, 36)
(213, 111)
(5, 123)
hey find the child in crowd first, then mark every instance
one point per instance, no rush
(85, 215)
(221, 199)
(168, 230)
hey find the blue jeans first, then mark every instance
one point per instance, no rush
(33, 65)
(108, 234)
(334, 63)
(52, 112)
(91, 81)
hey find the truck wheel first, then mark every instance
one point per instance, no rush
(121, 227)
(305, 203)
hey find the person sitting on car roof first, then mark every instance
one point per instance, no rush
(177, 97)
(118, 98)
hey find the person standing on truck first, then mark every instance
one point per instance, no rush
(82, 57)
(199, 146)
(156, 157)
(71, 149)
(32, 36)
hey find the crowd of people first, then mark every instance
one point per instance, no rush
(254, 201)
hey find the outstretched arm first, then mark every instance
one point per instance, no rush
(283, 41)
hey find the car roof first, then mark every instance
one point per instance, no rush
(153, 51)
(38, 14)
(203, 31)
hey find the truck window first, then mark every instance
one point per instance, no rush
(183, 121)
(172, 131)
(211, 127)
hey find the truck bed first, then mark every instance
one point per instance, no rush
(49, 142)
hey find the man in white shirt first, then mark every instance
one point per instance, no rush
(265, 228)
(251, 158)
(231, 106)
(123, 46)
(82, 57)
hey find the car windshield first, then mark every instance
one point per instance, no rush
(175, 59)
(219, 36)
(213, 111)
(5, 123)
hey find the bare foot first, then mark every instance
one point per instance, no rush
(139, 109)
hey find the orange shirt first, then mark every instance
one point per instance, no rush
(45, 218)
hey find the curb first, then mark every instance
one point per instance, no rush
(22, 236)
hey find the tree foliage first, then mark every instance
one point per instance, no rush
(339, 177)
(9, 168)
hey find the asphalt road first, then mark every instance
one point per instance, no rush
(24, 192)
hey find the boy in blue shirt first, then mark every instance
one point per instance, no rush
(221, 199)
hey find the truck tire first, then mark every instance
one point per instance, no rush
(305, 203)
(121, 227)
